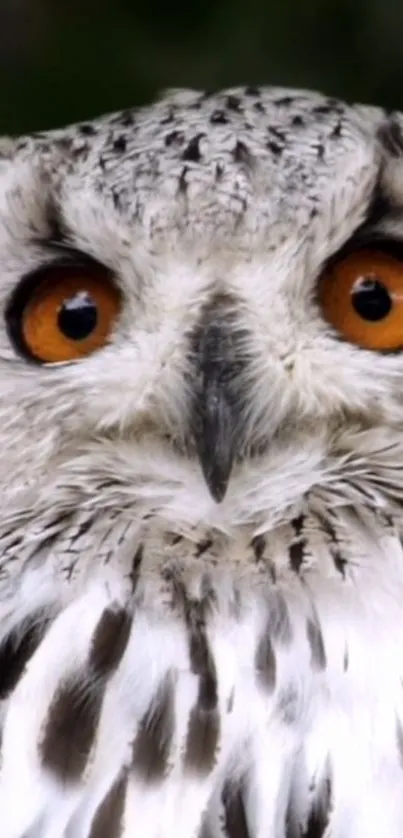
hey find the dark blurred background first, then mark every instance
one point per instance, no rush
(65, 60)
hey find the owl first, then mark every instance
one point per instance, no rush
(201, 478)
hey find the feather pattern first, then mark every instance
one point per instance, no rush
(172, 666)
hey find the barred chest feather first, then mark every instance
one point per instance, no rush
(166, 685)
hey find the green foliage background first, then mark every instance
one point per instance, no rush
(64, 60)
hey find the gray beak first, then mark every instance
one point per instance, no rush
(216, 409)
(214, 437)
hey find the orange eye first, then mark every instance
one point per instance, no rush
(68, 313)
(362, 297)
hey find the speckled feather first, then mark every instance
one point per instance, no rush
(172, 666)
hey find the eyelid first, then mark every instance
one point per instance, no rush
(369, 240)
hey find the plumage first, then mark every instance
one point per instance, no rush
(201, 566)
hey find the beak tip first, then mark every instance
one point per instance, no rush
(218, 492)
(217, 482)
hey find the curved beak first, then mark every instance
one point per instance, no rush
(214, 437)
(216, 408)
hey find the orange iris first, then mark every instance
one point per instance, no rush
(69, 313)
(362, 297)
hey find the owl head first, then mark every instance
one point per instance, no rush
(202, 309)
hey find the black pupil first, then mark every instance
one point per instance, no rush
(77, 316)
(370, 298)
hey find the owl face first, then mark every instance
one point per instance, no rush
(200, 306)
